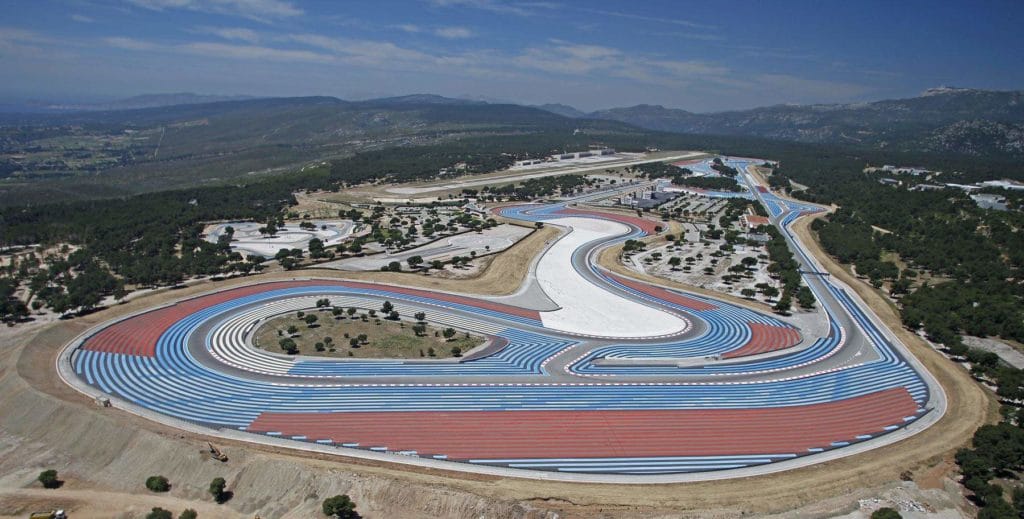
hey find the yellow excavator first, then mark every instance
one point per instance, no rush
(216, 454)
(56, 514)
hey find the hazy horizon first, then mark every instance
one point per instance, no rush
(697, 57)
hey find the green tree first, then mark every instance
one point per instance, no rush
(886, 513)
(157, 484)
(188, 513)
(49, 479)
(448, 333)
(159, 513)
(420, 316)
(217, 490)
(339, 507)
(456, 351)
(784, 304)
(311, 320)
(288, 345)
(805, 298)
(387, 307)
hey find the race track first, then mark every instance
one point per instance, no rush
(622, 382)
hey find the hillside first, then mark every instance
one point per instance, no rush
(942, 120)
(111, 153)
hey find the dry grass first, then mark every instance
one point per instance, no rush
(609, 259)
(384, 339)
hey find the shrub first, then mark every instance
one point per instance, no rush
(188, 513)
(157, 484)
(217, 490)
(159, 513)
(49, 479)
(885, 513)
(340, 507)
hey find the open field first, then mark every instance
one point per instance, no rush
(385, 339)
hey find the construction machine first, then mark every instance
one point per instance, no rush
(216, 454)
(56, 514)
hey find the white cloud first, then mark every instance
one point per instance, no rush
(655, 19)
(252, 52)
(453, 33)
(493, 6)
(260, 10)
(231, 33)
(129, 43)
(410, 28)
(82, 18)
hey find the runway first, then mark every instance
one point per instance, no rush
(624, 382)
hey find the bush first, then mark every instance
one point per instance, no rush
(49, 479)
(340, 507)
(157, 484)
(217, 490)
(885, 513)
(159, 513)
(188, 513)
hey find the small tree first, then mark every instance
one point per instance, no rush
(157, 484)
(393, 315)
(784, 304)
(311, 320)
(49, 479)
(159, 513)
(340, 507)
(420, 316)
(292, 329)
(419, 329)
(351, 311)
(363, 339)
(448, 333)
(289, 346)
(387, 307)
(353, 342)
(217, 487)
(188, 513)
(885, 513)
(456, 351)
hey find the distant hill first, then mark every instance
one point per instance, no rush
(560, 109)
(957, 120)
(154, 148)
(148, 101)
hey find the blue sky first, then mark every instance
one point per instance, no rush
(700, 56)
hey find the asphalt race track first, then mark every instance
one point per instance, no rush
(623, 382)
